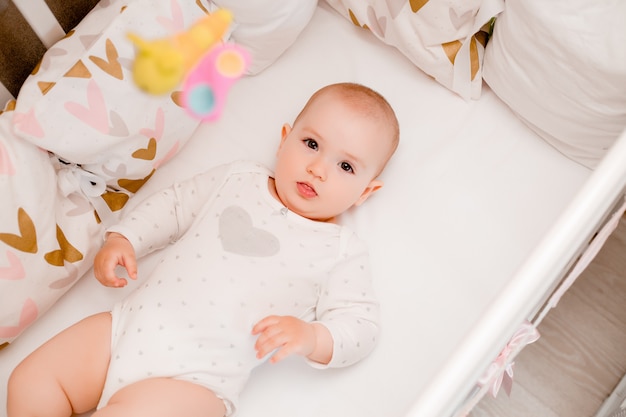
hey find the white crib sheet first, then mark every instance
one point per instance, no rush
(468, 195)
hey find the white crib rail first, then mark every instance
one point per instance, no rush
(42, 21)
(5, 95)
(529, 288)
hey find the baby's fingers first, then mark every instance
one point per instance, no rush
(116, 282)
(110, 279)
(263, 324)
(282, 353)
(269, 340)
(130, 263)
(104, 271)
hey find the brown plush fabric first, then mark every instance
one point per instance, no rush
(20, 48)
(70, 12)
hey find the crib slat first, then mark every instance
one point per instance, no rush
(41, 19)
(5, 96)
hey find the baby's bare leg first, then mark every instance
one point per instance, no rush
(66, 374)
(163, 397)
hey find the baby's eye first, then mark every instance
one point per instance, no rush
(311, 143)
(346, 167)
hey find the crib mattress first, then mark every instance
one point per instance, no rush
(468, 195)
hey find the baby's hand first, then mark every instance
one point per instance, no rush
(117, 250)
(289, 335)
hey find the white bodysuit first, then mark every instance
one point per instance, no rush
(239, 255)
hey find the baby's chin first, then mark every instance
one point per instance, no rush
(315, 216)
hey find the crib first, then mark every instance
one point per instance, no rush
(481, 226)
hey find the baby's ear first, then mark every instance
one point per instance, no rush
(285, 132)
(373, 186)
(283, 135)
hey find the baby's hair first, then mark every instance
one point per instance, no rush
(366, 100)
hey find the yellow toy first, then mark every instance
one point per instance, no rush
(160, 65)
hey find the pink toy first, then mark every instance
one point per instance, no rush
(197, 57)
(207, 84)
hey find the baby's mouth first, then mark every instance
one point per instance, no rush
(306, 190)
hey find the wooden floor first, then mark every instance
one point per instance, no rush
(581, 354)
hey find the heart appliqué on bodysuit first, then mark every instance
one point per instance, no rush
(239, 236)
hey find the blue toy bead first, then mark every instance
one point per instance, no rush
(201, 99)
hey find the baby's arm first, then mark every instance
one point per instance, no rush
(347, 306)
(347, 316)
(159, 220)
(117, 250)
(291, 335)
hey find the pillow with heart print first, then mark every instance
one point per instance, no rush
(82, 104)
(445, 39)
(47, 238)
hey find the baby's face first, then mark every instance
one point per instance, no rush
(329, 160)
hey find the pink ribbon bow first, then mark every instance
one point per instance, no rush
(500, 371)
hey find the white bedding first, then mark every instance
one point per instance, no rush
(469, 194)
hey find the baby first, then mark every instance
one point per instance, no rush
(256, 267)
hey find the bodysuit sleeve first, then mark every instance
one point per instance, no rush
(165, 216)
(348, 307)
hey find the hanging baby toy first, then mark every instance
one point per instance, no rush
(206, 66)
